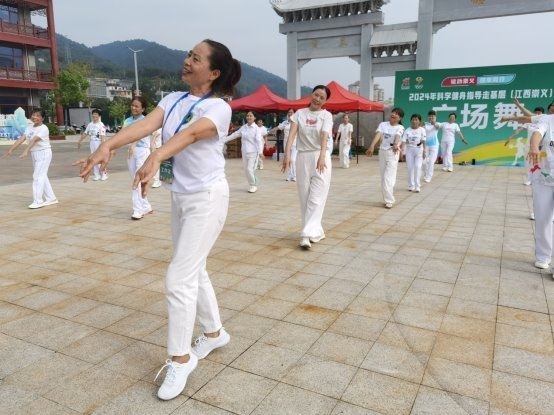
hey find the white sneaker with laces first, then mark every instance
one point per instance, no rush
(36, 205)
(252, 189)
(542, 264)
(175, 377)
(305, 242)
(204, 345)
(137, 215)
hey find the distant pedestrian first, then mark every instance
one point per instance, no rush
(450, 130)
(37, 138)
(431, 145)
(96, 131)
(413, 144)
(285, 127)
(156, 143)
(344, 138)
(388, 134)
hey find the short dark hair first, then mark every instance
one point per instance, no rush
(418, 116)
(229, 68)
(399, 111)
(432, 112)
(539, 109)
(550, 105)
(452, 113)
(96, 111)
(140, 99)
(40, 111)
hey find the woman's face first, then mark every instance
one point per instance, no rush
(451, 118)
(290, 114)
(394, 118)
(319, 98)
(196, 67)
(414, 122)
(250, 118)
(36, 118)
(136, 108)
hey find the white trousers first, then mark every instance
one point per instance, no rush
(196, 222)
(249, 162)
(388, 164)
(414, 161)
(447, 146)
(543, 207)
(344, 154)
(291, 171)
(94, 144)
(42, 190)
(135, 162)
(313, 189)
(429, 162)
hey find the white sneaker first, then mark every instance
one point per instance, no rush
(36, 205)
(156, 184)
(388, 205)
(147, 212)
(293, 179)
(252, 189)
(417, 189)
(204, 345)
(532, 216)
(426, 180)
(411, 189)
(444, 169)
(305, 242)
(527, 183)
(317, 239)
(96, 178)
(176, 377)
(137, 215)
(104, 176)
(450, 169)
(542, 264)
(51, 202)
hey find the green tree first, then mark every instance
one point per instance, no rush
(119, 108)
(71, 85)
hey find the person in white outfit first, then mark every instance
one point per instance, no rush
(137, 153)
(344, 137)
(413, 144)
(156, 143)
(285, 127)
(193, 169)
(388, 134)
(96, 131)
(37, 138)
(263, 144)
(431, 145)
(311, 128)
(450, 130)
(251, 145)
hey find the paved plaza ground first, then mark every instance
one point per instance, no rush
(432, 307)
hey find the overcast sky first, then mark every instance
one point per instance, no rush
(250, 28)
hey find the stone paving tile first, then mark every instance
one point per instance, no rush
(442, 314)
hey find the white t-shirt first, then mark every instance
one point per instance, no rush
(414, 137)
(39, 131)
(389, 132)
(199, 166)
(449, 130)
(310, 126)
(96, 130)
(250, 137)
(345, 131)
(432, 134)
(545, 126)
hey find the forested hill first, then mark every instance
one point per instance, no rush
(115, 60)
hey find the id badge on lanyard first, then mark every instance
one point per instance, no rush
(166, 166)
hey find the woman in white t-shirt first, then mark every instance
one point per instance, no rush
(251, 145)
(413, 144)
(450, 130)
(285, 127)
(344, 136)
(311, 128)
(193, 169)
(37, 137)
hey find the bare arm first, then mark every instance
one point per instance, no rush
(524, 110)
(35, 140)
(534, 152)
(376, 139)
(518, 131)
(19, 141)
(292, 136)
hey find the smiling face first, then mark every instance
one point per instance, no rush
(319, 98)
(36, 118)
(136, 108)
(95, 117)
(394, 118)
(250, 118)
(345, 119)
(196, 69)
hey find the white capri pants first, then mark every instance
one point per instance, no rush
(135, 162)
(196, 221)
(249, 162)
(42, 190)
(447, 146)
(94, 144)
(429, 162)
(388, 164)
(543, 207)
(313, 189)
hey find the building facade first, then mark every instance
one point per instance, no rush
(26, 76)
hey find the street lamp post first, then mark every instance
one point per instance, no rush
(136, 71)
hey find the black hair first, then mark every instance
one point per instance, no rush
(399, 111)
(327, 90)
(550, 105)
(96, 111)
(418, 116)
(539, 109)
(40, 111)
(229, 68)
(454, 114)
(142, 101)
(432, 112)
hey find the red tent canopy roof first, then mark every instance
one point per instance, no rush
(342, 100)
(261, 100)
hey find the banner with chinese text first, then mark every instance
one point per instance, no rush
(479, 96)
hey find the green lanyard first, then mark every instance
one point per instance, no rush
(188, 115)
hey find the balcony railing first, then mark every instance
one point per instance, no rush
(24, 30)
(25, 75)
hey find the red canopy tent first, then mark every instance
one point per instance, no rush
(342, 100)
(261, 100)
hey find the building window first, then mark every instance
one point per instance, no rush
(8, 14)
(11, 57)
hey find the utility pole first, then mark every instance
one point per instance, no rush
(137, 91)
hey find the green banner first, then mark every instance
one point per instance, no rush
(480, 97)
